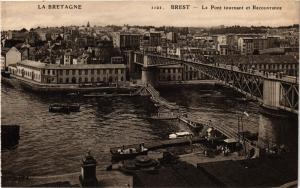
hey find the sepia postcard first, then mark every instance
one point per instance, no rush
(158, 93)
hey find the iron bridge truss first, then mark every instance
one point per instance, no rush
(249, 84)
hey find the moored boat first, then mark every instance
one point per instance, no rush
(64, 108)
(5, 74)
(184, 134)
(129, 152)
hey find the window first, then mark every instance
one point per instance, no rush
(86, 72)
(60, 80)
(98, 71)
(122, 71)
(79, 80)
(122, 79)
(98, 79)
(92, 79)
(73, 72)
(67, 80)
(67, 72)
(116, 71)
(48, 71)
(61, 72)
(92, 71)
(110, 71)
(79, 72)
(86, 80)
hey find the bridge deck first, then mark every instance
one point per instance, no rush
(155, 96)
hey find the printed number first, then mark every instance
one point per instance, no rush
(156, 7)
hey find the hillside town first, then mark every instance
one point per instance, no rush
(101, 52)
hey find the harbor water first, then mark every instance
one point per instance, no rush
(54, 143)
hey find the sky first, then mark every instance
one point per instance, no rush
(17, 15)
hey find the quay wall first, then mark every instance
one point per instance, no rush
(61, 88)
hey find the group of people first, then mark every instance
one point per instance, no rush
(223, 149)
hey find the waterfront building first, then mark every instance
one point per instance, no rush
(155, 39)
(68, 58)
(173, 52)
(69, 74)
(18, 35)
(179, 72)
(172, 37)
(285, 64)
(245, 45)
(273, 41)
(116, 39)
(194, 52)
(219, 39)
(223, 49)
(41, 33)
(83, 59)
(250, 45)
(129, 41)
(259, 44)
(190, 73)
(170, 73)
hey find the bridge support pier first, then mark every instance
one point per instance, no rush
(271, 94)
(147, 76)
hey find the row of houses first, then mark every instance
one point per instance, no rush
(13, 55)
(69, 74)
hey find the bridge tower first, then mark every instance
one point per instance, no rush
(148, 73)
(130, 58)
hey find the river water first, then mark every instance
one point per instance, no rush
(53, 143)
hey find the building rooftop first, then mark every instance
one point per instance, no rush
(255, 59)
(78, 66)
(261, 172)
(30, 63)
